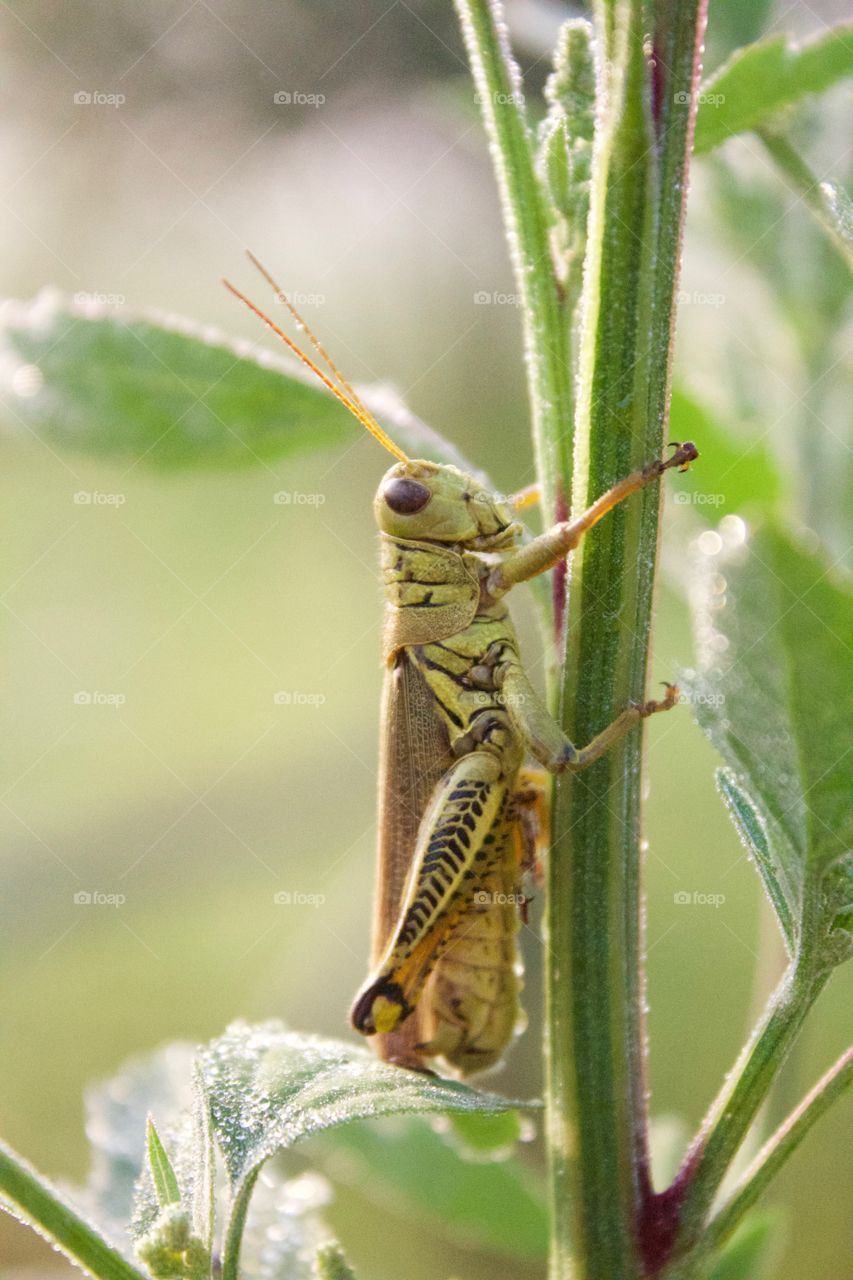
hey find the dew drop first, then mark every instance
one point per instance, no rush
(734, 530)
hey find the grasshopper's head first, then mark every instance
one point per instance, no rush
(436, 502)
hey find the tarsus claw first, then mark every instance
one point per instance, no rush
(682, 457)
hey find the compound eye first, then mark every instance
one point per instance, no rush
(405, 497)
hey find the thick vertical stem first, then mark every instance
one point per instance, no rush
(596, 1084)
(593, 913)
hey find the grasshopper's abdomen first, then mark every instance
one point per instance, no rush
(472, 999)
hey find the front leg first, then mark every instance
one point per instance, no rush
(546, 740)
(542, 553)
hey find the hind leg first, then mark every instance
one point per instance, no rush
(453, 852)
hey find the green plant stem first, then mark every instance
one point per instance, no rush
(594, 983)
(238, 1214)
(821, 199)
(765, 1166)
(546, 326)
(738, 1102)
(37, 1204)
(595, 1054)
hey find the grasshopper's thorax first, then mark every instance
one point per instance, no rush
(456, 636)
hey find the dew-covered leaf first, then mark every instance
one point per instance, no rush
(412, 1169)
(775, 696)
(269, 1088)
(762, 79)
(203, 1161)
(115, 383)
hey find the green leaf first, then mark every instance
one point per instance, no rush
(776, 638)
(760, 80)
(411, 1169)
(829, 203)
(735, 473)
(733, 24)
(114, 383)
(478, 1133)
(751, 828)
(269, 1088)
(747, 1256)
(165, 1182)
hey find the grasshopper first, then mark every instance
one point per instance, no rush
(461, 817)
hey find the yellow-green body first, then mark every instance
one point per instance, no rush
(455, 948)
(459, 716)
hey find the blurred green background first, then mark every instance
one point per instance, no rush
(181, 784)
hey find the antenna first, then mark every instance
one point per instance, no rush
(343, 392)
